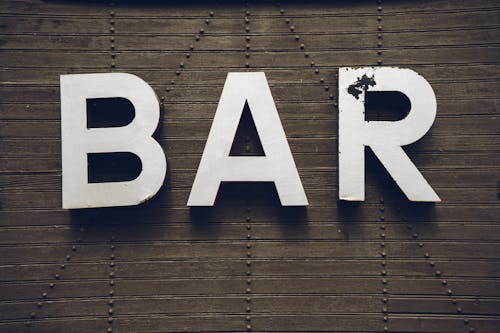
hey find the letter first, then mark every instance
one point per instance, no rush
(385, 138)
(217, 166)
(78, 140)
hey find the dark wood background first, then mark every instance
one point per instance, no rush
(248, 264)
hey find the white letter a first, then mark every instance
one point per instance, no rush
(277, 165)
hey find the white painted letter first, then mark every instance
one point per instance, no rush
(385, 138)
(78, 140)
(217, 166)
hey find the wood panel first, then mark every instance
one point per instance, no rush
(249, 264)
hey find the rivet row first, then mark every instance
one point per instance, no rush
(302, 47)
(187, 55)
(437, 273)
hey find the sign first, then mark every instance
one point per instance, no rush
(385, 138)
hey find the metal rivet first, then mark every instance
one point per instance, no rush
(421, 244)
(113, 65)
(249, 245)
(188, 55)
(382, 218)
(39, 304)
(172, 82)
(472, 330)
(63, 266)
(111, 292)
(248, 290)
(302, 46)
(432, 263)
(415, 235)
(386, 318)
(449, 292)
(459, 310)
(110, 329)
(383, 273)
(384, 291)
(282, 11)
(52, 285)
(247, 55)
(444, 282)
(247, 13)
(211, 13)
(247, 38)
(112, 282)
(297, 37)
(331, 96)
(382, 244)
(379, 28)
(327, 88)
(316, 71)
(466, 321)
(249, 263)
(57, 276)
(177, 73)
(292, 28)
(73, 248)
(111, 274)
(383, 254)
(382, 235)
(191, 47)
(379, 8)
(287, 21)
(197, 38)
(384, 281)
(112, 256)
(379, 18)
(438, 273)
(44, 295)
(32, 315)
(110, 302)
(181, 64)
(426, 255)
(454, 301)
(110, 320)
(202, 31)
(383, 263)
(247, 28)
(28, 323)
(207, 22)
(248, 309)
(112, 13)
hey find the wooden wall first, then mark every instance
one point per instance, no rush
(248, 264)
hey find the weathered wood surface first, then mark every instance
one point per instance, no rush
(330, 267)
